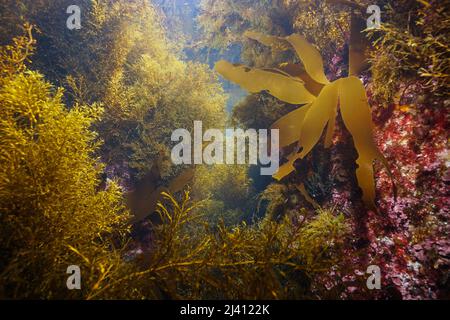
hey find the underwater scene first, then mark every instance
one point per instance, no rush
(224, 150)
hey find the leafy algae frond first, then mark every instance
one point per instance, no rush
(306, 84)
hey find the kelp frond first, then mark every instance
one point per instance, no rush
(306, 124)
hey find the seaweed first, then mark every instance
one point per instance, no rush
(289, 83)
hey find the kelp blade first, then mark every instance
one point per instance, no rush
(297, 70)
(283, 87)
(308, 123)
(286, 168)
(357, 118)
(307, 53)
(289, 126)
(310, 57)
(277, 43)
(182, 180)
(317, 117)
